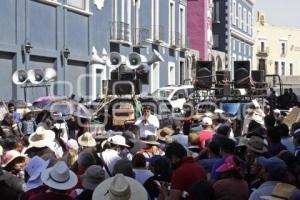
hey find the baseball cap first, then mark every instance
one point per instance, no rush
(274, 166)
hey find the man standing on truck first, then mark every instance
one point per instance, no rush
(147, 123)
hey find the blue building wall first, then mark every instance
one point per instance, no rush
(52, 27)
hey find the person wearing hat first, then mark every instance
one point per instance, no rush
(10, 186)
(92, 177)
(9, 127)
(272, 170)
(250, 112)
(71, 155)
(226, 187)
(147, 123)
(59, 179)
(34, 184)
(207, 132)
(42, 144)
(112, 154)
(152, 147)
(14, 162)
(120, 187)
(28, 122)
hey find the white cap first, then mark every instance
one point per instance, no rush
(277, 111)
(72, 144)
(207, 121)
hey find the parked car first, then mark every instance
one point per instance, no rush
(177, 95)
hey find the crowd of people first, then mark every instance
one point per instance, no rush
(41, 160)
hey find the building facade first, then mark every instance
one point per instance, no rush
(276, 49)
(232, 30)
(62, 34)
(200, 19)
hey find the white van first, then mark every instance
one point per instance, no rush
(175, 94)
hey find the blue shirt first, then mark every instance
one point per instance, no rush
(288, 143)
(214, 174)
(209, 163)
(264, 190)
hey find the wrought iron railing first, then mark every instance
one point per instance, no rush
(158, 33)
(140, 36)
(120, 31)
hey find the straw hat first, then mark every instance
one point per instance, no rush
(10, 156)
(120, 187)
(41, 138)
(92, 177)
(87, 140)
(151, 139)
(163, 133)
(59, 177)
(281, 191)
(118, 140)
(256, 144)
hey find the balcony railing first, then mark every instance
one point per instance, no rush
(178, 40)
(158, 34)
(262, 52)
(140, 36)
(120, 32)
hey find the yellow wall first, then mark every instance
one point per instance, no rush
(273, 36)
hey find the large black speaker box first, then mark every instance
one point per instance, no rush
(124, 87)
(203, 74)
(242, 74)
(258, 75)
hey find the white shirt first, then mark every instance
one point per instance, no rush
(110, 157)
(149, 128)
(142, 175)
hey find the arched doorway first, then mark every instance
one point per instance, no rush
(219, 63)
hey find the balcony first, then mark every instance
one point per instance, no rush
(262, 52)
(158, 34)
(120, 33)
(140, 36)
(178, 40)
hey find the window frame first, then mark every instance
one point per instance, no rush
(233, 21)
(240, 17)
(85, 2)
(250, 23)
(172, 19)
(245, 19)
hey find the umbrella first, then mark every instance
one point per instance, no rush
(41, 102)
(68, 107)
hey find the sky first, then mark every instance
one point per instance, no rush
(280, 12)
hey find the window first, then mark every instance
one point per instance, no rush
(216, 41)
(233, 12)
(245, 49)
(276, 68)
(172, 22)
(182, 20)
(216, 13)
(283, 48)
(240, 18)
(291, 69)
(80, 4)
(240, 46)
(155, 19)
(249, 23)
(171, 75)
(262, 46)
(245, 19)
(250, 51)
(233, 44)
(282, 68)
(180, 94)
